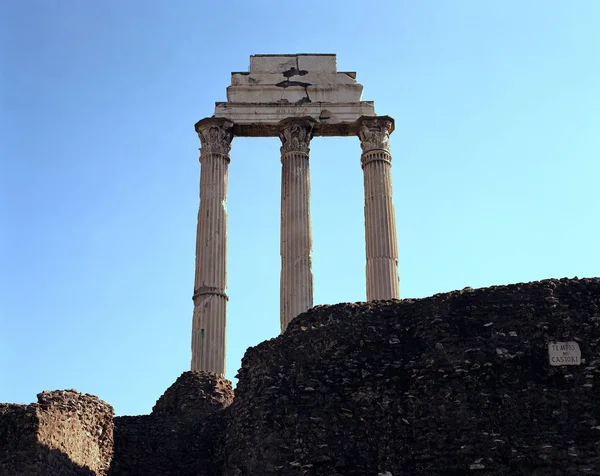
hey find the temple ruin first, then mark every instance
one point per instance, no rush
(295, 97)
(498, 381)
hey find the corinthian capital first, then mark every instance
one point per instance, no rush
(215, 135)
(295, 134)
(374, 132)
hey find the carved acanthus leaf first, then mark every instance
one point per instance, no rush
(215, 137)
(374, 133)
(295, 136)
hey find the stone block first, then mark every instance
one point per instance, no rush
(324, 63)
(272, 63)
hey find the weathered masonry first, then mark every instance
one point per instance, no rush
(294, 97)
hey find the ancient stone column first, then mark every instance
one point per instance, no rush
(210, 300)
(380, 222)
(296, 236)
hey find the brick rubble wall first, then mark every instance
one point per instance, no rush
(18, 439)
(184, 434)
(452, 384)
(78, 425)
(65, 433)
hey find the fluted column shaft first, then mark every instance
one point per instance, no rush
(383, 281)
(296, 235)
(210, 300)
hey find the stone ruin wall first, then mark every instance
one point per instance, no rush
(184, 434)
(454, 384)
(64, 433)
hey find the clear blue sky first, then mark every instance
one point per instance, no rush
(496, 165)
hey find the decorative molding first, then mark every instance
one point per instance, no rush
(208, 292)
(295, 135)
(215, 136)
(374, 133)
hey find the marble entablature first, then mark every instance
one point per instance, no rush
(279, 87)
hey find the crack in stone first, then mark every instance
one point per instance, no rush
(296, 71)
(306, 85)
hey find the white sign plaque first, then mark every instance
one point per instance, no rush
(564, 353)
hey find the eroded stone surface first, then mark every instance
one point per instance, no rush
(450, 384)
(278, 87)
(65, 433)
(195, 392)
(183, 436)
